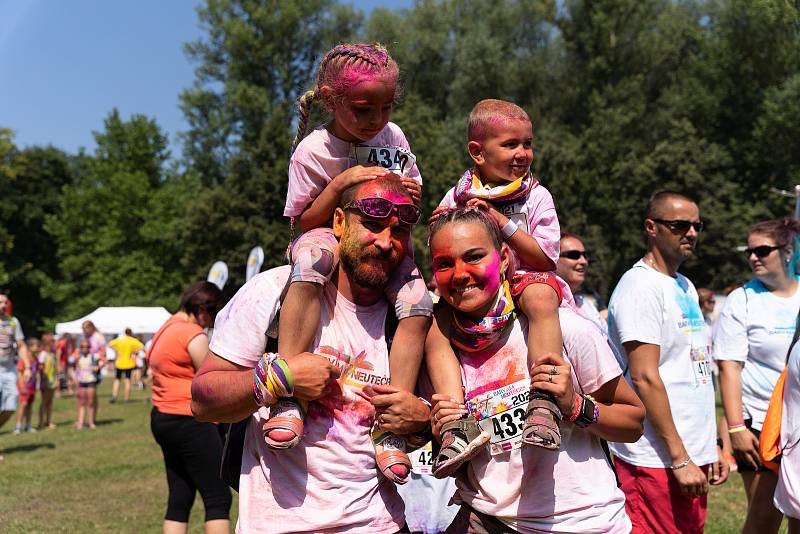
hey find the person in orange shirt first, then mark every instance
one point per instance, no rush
(126, 348)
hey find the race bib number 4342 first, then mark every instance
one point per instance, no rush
(395, 159)
(501, 414)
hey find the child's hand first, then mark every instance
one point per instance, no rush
(438, 212)
(498, 217)
(357, 174)
(414, 188)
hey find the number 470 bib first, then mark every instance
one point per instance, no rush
(501, 414)
(395, 159)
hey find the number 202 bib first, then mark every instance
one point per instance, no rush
(501, 414)
(395, 159)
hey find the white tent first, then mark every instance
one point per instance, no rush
(114, 320)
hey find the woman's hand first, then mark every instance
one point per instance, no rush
(745, 448)
(558, 383)
(445, 409)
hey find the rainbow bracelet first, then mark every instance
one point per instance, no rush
(272, 379)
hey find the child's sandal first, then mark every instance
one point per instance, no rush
(462, 440)
(390, 455)
(284, 431)
(541, 424)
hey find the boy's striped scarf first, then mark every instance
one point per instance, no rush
(469, 186)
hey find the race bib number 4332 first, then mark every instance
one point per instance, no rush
(501, 414)
(396, 159)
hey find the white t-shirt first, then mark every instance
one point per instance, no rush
(651, 307)
(320, 157)
(787, 492)
(756, 327)
(528, 488)
(329, 482)
(536, 213)
(586, 308)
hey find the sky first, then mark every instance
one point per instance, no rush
(65, 64)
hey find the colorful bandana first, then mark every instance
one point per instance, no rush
(471, 336)
(469, 186)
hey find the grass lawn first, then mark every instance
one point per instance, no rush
(112, 479)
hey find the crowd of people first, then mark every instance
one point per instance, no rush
(506, 400)
(53, 369)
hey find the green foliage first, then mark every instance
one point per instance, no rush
(627, 97)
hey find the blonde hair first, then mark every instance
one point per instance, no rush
(489, 113)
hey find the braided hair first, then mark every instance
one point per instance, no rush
(341, 68)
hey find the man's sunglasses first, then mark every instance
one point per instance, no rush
(380, 208)
(681, 226)
(762, 251)
(574, 254)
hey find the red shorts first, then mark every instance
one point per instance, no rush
(655, 503)
(522, 279)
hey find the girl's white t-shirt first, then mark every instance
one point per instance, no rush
(650, 307)
(756, 327)
(321, 156)
(531, 489)
(787, 492)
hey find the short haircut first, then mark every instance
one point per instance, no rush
(569, 235)
(128, 332)
(489, 113)
(387, 183)
(202, 296)
(655, 206)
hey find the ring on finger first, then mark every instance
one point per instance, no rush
(550, 378)
(554, 370)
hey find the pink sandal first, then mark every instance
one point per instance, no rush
(284, 431)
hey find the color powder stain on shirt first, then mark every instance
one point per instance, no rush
(491, 369)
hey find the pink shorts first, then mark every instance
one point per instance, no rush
(655, 503)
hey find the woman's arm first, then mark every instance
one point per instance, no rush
(198, 348)
(743, 443)
(621, 412)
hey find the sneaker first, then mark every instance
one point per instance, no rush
(32, 430)
(462, 440)
(17, 432)
(112, 400)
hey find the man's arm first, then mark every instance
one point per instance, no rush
(643, 366)
(222, 391)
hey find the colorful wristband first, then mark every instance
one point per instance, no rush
(272, 379)
(509, 228)
(576, 411)
(734, 430)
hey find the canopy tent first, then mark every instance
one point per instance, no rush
(114, 320)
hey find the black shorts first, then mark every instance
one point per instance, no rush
(124, 372)
(747, 468)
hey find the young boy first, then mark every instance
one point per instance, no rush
(499, 143)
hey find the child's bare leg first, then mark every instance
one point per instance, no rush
(314, 257)
(91, 401)
(405, 359)
(540, 304)
(461, 439)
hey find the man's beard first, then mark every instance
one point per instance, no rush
(355, 263)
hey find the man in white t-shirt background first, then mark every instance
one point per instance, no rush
(329, 482)
(655, 317)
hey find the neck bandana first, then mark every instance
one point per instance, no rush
(470, 186)
(472, 336)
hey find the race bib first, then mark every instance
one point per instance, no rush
(422, 460)
(701, 364)
(396, 159)
(501, 414)
(513, 212)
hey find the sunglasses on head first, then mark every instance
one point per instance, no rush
(380, 208)
(574, 254)
(761, 251)
(680, 225)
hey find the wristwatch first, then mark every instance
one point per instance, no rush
(588, 412)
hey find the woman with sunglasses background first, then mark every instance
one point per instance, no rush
(572, 267)
(751, 338)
